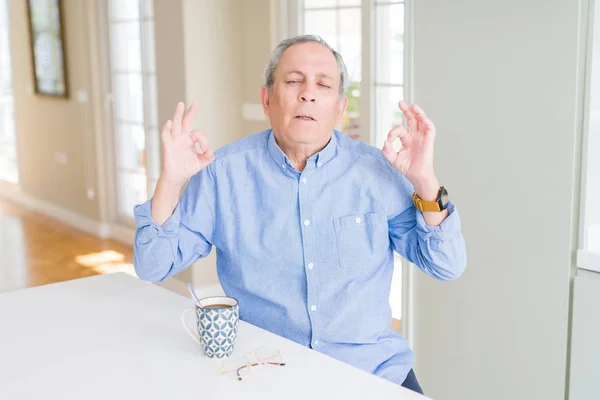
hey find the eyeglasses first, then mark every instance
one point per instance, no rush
(242, 365)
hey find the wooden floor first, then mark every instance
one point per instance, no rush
(37, 250)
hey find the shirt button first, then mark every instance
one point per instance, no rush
(306, 222)
(283, 166)
(303, 180)
(310, 266)
(357, 220)
(314, 308)
(318, 164)
(316, 342)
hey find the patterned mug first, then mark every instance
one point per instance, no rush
(217, 325)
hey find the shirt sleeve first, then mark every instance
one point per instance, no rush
(439, 251)
(187, 235)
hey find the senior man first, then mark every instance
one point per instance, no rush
(304, 219)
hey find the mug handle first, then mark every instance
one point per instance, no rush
(190, 331)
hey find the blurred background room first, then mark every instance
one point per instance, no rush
(513, 88)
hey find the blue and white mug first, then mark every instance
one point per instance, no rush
(217, 321)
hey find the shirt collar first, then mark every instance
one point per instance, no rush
(315, 161)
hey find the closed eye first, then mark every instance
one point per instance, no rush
(323, 85)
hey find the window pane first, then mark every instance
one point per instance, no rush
(319, 3)
(132, 191)
(350, 121)
(123, 10)
(8, 145)
(591, 174)
(396, 292)
(7, 122)
(387, 112)
(349, 41)
(5, 68)
(8, 162)
(153, 163)
(592, 185)
(131, 147)
(322, 23)
(389, 44)
(341, 29)
(345, 3)
(128, 99)
(148, 52)
(125, 51)
(151, 101)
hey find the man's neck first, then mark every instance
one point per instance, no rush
(298, 153)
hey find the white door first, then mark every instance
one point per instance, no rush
(135, 140)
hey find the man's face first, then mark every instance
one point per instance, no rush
(305, 106)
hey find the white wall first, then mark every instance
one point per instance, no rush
(500, 80)
(213, 73)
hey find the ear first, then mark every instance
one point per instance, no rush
(342, 104)
(264, 95)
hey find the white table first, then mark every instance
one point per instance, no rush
(116, 337)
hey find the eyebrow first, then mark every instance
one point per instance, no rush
(321, 74)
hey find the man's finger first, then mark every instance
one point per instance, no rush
(399, 131)
(424, 121)
(176, 130)
(198, 137)
(418, 111)
(165, 133)
(388, 152)
(206, 158)
(189, 117)
(411, 120)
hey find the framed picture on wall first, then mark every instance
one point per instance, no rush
(47, 47)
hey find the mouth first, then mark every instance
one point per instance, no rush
(305, 117)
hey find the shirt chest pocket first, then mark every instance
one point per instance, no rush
(362, 240)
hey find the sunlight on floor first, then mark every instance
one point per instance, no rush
(106, 262)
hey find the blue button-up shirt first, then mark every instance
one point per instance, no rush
(308, 255)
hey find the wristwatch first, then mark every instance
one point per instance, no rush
(439, 204)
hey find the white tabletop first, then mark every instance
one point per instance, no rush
(116, 337)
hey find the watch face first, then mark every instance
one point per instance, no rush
(444, 196)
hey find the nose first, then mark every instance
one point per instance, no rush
(307, 98)
(307, 95)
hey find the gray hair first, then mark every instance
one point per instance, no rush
(285, 44)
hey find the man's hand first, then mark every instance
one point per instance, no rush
(181, 160)
(415, 158)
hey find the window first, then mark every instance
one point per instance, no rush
(370, 36)
(339, 23)
(8, 143)
(589, 237)
(389, 68)
(134, 98)
(380, 41)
